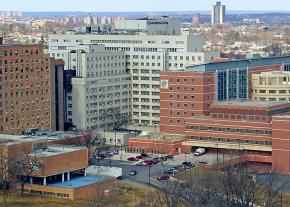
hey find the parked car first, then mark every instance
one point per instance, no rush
(156, 160)
(100, 156)
(180, 167)
(149, 162)
(116, 152)
(142, 164)
(163, 158)
(133, 159)
(188, 164)
(144, 155)
(133, 172)
(163, 177)
(199, 152)
(171, 171)
(169, 157)
(139, 157)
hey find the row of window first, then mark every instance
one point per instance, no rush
(185, 89)
(234, 140)
(36, 192)
(178, 105)
(146, 78)
(146, 93)
(239, 117)
(22, 61)
(146, 100)
(146, 114)
(146, 107)
(145, 122)
(18, 52)
(272, 99)
(104, 58)
(146, 71)
(146, 86)
(21, 69)
(231, 130)
(273, 91)
(184, 97)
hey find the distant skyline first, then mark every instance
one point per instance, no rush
(142, 5)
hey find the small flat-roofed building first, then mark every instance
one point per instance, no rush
(59, 171)
(157, 144)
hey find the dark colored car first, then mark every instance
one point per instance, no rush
(133, 159)
(163, 177)
(144, 155)
(100, 156)
(139, 157)
(169, 157)
(188, 164)
(156, 160)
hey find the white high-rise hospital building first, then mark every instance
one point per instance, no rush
(145, 57)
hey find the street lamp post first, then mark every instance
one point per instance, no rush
(149, 174)
(217, 153)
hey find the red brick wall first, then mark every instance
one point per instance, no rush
(25, 78)
(281, 144)
(188, 94)
(167, 147)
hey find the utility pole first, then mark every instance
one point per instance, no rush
(149, 174)
(217, 153)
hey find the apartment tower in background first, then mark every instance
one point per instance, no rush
(218, 13)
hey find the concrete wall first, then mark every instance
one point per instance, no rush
(104, 170)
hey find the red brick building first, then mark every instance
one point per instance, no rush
(208, 104)
(26, 89)
(157, 144)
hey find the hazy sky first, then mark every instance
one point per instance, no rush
(140, 5)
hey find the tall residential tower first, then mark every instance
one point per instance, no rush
(218, 13)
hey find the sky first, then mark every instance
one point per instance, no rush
(141, 5)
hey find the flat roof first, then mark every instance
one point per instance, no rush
(81, 181)
(20, 138)
(250, 103)
(242, 64)
(56, 150)
(161, 137)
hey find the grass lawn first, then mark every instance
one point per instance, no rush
(130, 195)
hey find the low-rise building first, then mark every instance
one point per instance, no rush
(157, 144)
(58, 171)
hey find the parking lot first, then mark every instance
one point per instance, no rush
(155, 170)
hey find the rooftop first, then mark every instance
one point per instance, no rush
(161, 137)
(81, 181)
(56, 150)
(233, 64)
(250, 103)
(46, 135)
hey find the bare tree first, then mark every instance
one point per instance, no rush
(169, 195)
(27, 163)
(233, 186)
(86, 138)
(116, 117)
(4, 173)
(97, 201)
